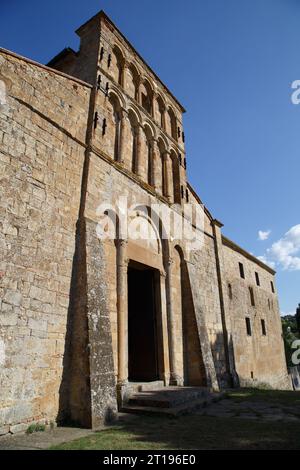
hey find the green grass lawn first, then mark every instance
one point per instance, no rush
(200, 432)
(280, 397)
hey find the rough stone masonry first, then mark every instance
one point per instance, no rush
(84, 319)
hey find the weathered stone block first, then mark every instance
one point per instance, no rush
(16, 428)
(39, 325)
(13, 298)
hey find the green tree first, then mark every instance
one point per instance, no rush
(290, 334)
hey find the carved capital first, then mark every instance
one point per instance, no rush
(166, 155)
(122, 243)
(170, 261)
(163, 273)
(123, 113)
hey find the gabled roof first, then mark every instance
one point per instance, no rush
(65, 52)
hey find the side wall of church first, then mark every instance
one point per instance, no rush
(259, 352)
(42, 132)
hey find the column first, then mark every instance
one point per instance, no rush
(138, 168)
(164, 329)
(174, 376)
(156, 166)
(124, 65)
(123, 136)
(122, 306)
(163, 119)
(170, 178)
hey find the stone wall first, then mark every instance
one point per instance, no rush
(203, 276)
(42, 134)
(259, 359)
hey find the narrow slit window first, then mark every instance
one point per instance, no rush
(242, 272)
(248, 326)
(257, 279)
(96, 120)
(104, 125)
(101, 53)
(230, 291)
(252, 299)
(272, 287)
(263, 327)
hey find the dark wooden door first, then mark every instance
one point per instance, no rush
(142, 337)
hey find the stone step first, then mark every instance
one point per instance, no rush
(146, 386)
(167, 398)
(176, 411)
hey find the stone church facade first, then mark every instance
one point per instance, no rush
(85, 318)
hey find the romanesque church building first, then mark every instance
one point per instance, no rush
(87, 319)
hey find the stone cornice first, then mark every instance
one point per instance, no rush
(230, 244)
(44, 67)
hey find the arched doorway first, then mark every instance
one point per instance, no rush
(145, 306)
(143, 311)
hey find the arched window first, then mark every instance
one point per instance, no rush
(150, 163)
(146, 96)
(131, 81)
(162, 151)
(176, 177)
(134, 136)
(172, 128)
(160, 111)
(116, 115)
(117, 65)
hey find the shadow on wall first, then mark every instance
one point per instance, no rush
(194, 369)
(87, 395)
(74, 392)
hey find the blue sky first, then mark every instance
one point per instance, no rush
(231, 63)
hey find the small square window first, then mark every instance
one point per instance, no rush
(257, 279)
(242, 272)
(248, 326)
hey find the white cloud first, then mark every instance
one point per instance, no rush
(264, 259)
(286, 251)
(264, 235)
(284, 314)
